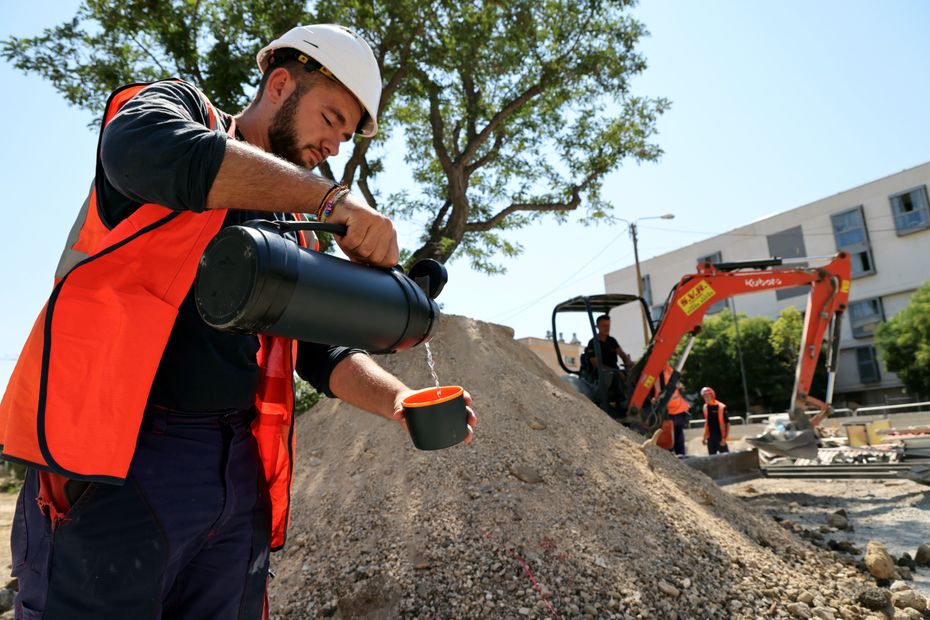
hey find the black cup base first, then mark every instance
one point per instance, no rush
(434, 427)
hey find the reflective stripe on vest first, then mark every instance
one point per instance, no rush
(75, 400)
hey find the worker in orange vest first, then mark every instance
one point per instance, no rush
(716, 427)
(160, 450)
(678, 408)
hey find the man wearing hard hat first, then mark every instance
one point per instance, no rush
(160, 450)
(716, 426)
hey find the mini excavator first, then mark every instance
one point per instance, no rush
(647, 390)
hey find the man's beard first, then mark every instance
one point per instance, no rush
(282, 135)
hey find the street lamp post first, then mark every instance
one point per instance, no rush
(639, 276)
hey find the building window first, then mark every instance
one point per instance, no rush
(865, 315)
(910, 210)
(788, 243)
(714, 259)
(657, 312)
(851, 235)
(867, 361)
(647, 289)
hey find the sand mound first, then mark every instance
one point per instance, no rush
(554, 511)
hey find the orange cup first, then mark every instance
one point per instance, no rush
(436, 417)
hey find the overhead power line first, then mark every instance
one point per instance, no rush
(509, 314)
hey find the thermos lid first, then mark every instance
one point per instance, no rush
(245, 279)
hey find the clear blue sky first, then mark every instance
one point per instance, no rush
(774, 105)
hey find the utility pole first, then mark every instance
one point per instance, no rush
(639, 275)
(639, 282)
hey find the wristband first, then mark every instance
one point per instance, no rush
(328, 197)
(333, 201)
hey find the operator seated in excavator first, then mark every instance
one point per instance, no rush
(611, 356)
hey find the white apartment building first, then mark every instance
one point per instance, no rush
(884, 225)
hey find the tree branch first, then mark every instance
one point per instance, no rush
(364, 173)
(492, 153)
(436, 122)
(498, 217)
(436, 227)
(512, 106)
(147, 52)
(471, 104)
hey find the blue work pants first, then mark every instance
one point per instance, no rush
(185, 537)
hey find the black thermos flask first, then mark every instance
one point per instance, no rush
(252, 279)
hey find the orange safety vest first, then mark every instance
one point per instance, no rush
(75, 400)
(677, 405)
(721, 418)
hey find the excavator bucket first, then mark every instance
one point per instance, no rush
(799, 419)
(790, 443)
(797, 441)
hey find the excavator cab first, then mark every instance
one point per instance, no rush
(604, 386)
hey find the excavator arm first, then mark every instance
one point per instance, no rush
(695, 294)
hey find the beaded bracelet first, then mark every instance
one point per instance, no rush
(327, 197)
(328, 210)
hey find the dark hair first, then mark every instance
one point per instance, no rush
(603, 317)
(302, 73)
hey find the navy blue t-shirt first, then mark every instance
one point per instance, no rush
(159, 149)
(713, 420)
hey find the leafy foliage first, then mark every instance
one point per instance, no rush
(509, 111)
(904, 342)
(305, 397)
(770, 354)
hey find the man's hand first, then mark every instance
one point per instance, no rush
(472, 420)
(371, 238)
(627, 360)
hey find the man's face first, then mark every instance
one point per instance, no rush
(708, 397)
(313, 121)
(603, 327)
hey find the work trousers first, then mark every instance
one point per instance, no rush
(679, 421)
(713, 444)
(185, 537)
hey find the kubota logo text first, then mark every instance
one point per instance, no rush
(760, 282)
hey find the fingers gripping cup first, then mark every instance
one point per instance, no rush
(436, 417)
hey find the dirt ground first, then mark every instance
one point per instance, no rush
(894, 512)
(7, 506)
(554, 511)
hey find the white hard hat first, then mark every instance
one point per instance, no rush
(345, 55)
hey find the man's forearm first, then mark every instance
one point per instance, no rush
(359, 381)
(247, 173)
(251, 179)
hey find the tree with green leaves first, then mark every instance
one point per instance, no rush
(714, 361)
(508, 111)
(904, 343)
(770, 356)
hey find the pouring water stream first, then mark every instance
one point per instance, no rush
(432, 368)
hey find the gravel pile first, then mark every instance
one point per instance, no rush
(555, 511)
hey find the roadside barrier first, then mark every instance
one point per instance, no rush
(877, 410)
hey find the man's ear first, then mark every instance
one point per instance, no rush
(279, 85)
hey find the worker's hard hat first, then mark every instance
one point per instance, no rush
(707, 390)
(343, 54)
